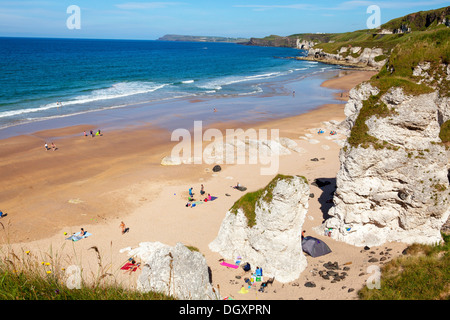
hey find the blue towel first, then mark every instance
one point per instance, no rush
(76, 236)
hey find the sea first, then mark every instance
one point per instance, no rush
(46, 78)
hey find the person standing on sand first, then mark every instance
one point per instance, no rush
(202, 190)
(53, 146)
(46, 146)
(122, 226)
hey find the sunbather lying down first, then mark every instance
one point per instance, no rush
(131, 265)
(239, 187)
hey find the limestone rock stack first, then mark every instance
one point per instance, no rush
(273, 241)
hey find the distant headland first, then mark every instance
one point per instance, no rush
(175, 37)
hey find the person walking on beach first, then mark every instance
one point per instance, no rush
(53, 146)
(92, 133)
(46, 146)
(122, 226)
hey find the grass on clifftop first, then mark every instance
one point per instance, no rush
(428, 46)
(422, 274)
(248, 201)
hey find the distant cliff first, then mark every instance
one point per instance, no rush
(369, 48)
(175, 37)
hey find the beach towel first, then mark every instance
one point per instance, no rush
(223, 263)
(243, 291)
(76, 236)
(196, 203)
(129, 265)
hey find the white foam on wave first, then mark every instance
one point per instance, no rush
(217, 84)
(187, 81)
(118, 90)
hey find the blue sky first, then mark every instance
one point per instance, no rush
(122, 19)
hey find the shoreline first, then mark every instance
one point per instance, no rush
(119, 178)
(134, 115)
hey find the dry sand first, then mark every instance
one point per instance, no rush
(96, 183)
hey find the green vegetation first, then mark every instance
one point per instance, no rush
(419, 21)
(248, 202)
(445, 132)
(422, 274)
(26, 277)
(359, 134)
(22, 286)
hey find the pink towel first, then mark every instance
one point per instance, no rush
(223, 263)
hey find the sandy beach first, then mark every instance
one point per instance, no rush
(96, 182)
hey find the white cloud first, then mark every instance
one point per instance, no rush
(266, 7)
(147, 5)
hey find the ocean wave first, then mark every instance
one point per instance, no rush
(118, 90)
(217, 84)
(187, 81)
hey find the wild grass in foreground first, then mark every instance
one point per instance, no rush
(25, 276)
(422, 274)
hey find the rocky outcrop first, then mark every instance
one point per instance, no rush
(175, 271)
(356, 57)
(273, 242)
(398, 189)
(304, 44)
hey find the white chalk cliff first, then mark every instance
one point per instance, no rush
(273, 242)
(400, 191)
